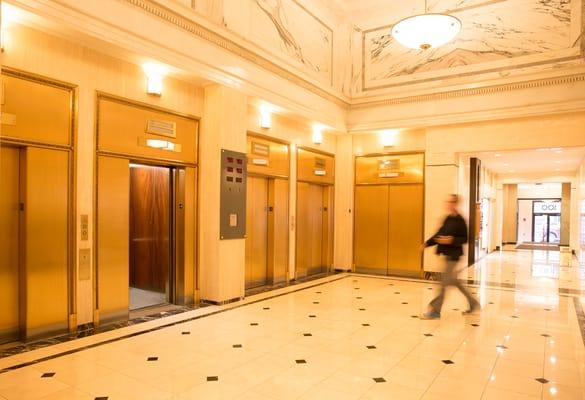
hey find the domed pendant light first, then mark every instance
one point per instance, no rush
(425, 31)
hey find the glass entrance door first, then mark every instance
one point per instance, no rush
(547, 228)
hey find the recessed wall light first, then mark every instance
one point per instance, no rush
(497, 155)
(388, 137)
(154, 77)
(317, 134)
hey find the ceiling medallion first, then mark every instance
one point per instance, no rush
(425, 31)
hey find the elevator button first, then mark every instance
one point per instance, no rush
(233, 220)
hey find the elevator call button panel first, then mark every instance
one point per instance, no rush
(233, 195)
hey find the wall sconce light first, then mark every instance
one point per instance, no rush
(388, 137)
(265, 119)
(9, 15)
(154, 77)
(317, 134)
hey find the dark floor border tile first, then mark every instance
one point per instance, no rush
(131, 335)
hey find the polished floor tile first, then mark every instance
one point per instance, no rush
(343, 337)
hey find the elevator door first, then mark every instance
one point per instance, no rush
(371, 229)
(256, 232)
(150, 235)
(388, 229)
(9, 244)
(311, 205)
(405, 209)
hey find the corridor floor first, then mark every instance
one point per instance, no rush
(343, 337)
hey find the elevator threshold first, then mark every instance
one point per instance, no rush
(154, 309)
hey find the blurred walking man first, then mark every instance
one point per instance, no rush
(449, 241)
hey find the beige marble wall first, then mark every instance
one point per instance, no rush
(221, 262)
(39, 53)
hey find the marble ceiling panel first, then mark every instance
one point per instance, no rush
(286, 29)
(495, 34)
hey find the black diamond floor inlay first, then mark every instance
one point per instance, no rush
(48, 375)
(476, 325)
(447, 362)
(185, 333)
(379, 380)
(237, 346)
(266, 308)
(396, 292)
(428, 334)
(365, 324)
(545, 335)
(152, 359)
(318, 292)
(301, 361)
(254, 324)
(404, 302)
(547, 309)
(212, 379)
(312, 316)
(414, 316)
(307, 334)
(390, 284)
(501, 347)
(542, 380)
(101, 398)
(362, 309)
(371, 347)
(359, 298)
(357, 288)
(315, 302)
(491, 302)
(514, 316)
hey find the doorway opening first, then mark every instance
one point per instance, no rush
(546, 221)
(150, 236)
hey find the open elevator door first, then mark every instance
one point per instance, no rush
(146, 202)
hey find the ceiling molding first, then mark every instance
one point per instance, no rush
(486, 90)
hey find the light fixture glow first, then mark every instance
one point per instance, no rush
(388, 137)
(317, 134)
(265, 118)
(160, 144)
(154, 77)
(425, 31)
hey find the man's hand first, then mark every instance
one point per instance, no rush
(444, 239)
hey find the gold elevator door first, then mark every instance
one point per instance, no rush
(256, 232)
(9, 244)
(371, 229)
(388, 229)
(312, 229)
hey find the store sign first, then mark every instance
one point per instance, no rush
(546, 207)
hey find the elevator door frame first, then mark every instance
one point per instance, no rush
(327, 229)
(70, 323)
(186, 281)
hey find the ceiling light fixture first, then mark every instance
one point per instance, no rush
(425, 31)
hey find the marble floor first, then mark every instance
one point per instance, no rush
(342, 337)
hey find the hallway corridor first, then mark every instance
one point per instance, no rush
(341, 337)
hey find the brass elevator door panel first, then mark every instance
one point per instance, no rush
(371, 229)
(9, 244)
(310, 229)
(256, 231)
(278, 230)
(317, 233)
(405, 205)
(45, 224)
(113, 199)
